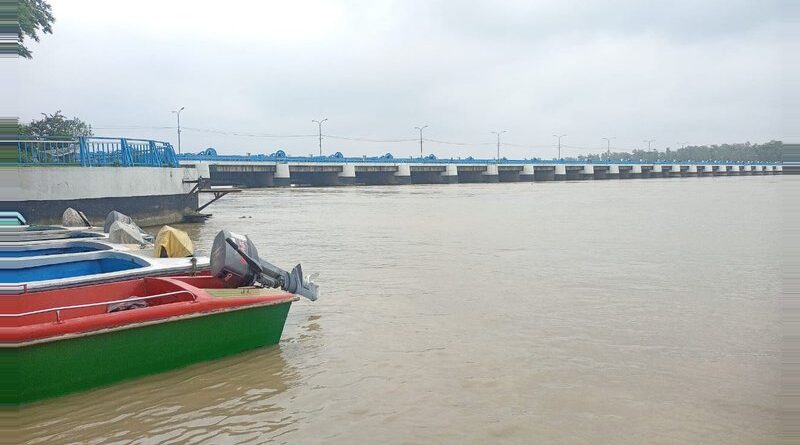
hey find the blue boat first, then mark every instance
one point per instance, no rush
(19, 250)
(23, 274)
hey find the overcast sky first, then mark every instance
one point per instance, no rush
(680, 71)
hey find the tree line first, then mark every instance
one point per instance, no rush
(743, 152)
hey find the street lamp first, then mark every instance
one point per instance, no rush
(608, 146)
(498, 133)
(559, 136)
(649, 141)
(178, 113)
(320, 133)
(420, 137)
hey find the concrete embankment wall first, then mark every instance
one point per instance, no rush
(150, 195)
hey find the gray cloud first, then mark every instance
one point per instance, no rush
(703, 72)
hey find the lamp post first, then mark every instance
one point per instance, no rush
(649, 141)
(608, 146)
(559, 136)
(498, 133)
(178, 113)
(420, 138)
(320, 132)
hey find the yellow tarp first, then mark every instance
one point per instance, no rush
(173, 243)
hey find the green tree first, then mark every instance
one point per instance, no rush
(35, 18)
(55, 126)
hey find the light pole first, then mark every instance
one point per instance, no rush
(559, 136)
(682, 144)
(608, 146)
(498, 133)
(178, 113)
(320, 132)
(420, 138)
(649, 141)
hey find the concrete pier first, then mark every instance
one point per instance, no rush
(613, 171)
(403, 174)
(721, 170)
(491, 174)
(528, 174)
(733, 170)
(588, 172)
(282, 177)
(636, 171)
(560, 172)
(450, 174)
(348, 175)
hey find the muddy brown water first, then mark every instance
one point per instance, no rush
(619, 312)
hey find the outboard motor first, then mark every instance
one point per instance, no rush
(235, 260)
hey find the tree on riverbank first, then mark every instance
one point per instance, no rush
(55, 126)
(767, 152)
(35, 17)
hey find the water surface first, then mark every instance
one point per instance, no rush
(619, 312)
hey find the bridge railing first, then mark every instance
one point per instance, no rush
(214, 157)
(91, 152)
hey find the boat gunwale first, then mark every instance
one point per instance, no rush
(169, 319)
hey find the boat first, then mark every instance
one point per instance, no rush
(60, 263)
(12, 219)
(24, 234)
(56, 342)
(21, 275)
(60, 247)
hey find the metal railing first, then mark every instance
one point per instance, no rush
(132, 299)
(93, 152)
(210, 155)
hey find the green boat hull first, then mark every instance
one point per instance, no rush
(45, 370)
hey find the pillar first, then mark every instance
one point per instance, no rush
(450, 174)
(778, 170)
(757, 170)
(281, 177)
(613, 171)
(768, 169)
(733, 169)
(348, 175)
(692, 170)
(708, 170)
(527, 173)
(560, 172)
(491, 174)
(675, 171)
(587, 172)
(722, 170)
(403, 174)
(636, 171)
(656, 172)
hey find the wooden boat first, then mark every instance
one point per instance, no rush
(61, 341)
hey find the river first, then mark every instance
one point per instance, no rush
(600, 312)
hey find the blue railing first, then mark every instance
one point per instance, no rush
(97, 152)
(211, 155)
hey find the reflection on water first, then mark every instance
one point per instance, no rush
(620, 312)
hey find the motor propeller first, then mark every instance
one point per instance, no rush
(249, 268)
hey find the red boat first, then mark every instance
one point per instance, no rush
(61, 341)
(54, 342)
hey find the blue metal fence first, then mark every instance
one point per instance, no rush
(97, 152)
(211, 155)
